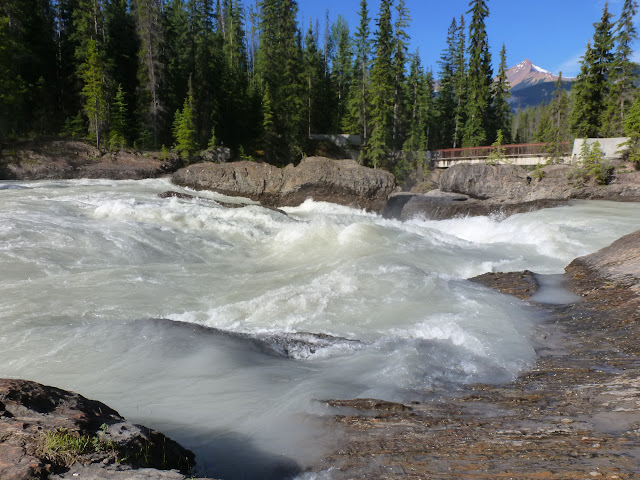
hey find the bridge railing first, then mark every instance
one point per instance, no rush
(518, 150)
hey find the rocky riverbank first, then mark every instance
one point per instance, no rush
(576, 415)
(46, 432)
(45, 159)
(480, 189)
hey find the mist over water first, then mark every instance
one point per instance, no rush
(87, 266)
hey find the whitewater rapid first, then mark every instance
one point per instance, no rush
(87, 266)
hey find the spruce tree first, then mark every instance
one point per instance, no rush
(184, 128)
(341, 69)
(92, 72)
(632, 131)
(500, 109)
(359, 101)
(623, 75)
(151, 72)
(446, 100)
(118, 124)
(592, 85)
(559, 121)
(280, 69)
(460, 84)
(399, 59)
(382, 89)
(480, 78)
(313, 74)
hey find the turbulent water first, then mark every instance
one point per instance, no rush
(89, 267)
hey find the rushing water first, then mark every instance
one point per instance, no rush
(87, 268)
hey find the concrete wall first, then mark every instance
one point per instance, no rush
(610, 147)
(522, 161)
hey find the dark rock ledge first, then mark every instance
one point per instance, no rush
(46, 432)
(576, 415)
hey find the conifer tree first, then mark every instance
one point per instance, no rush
(420, 104)
(12, 85)
(501, 110)
(558, 130)
(399, 59)
(382, 89)
(359, 102)
(623, 75)
(446, 100)
(280, 67)
(480, 78)
(632, 131)
(94, 92)
(313, 74)
(118, 124)
(592, 87)
(341, 69)
(151, 72)
(184, 128)
(460, 84)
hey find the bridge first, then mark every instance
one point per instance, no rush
(519, 154)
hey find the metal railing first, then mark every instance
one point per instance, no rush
(518, 150)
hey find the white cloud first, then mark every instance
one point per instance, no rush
(570, 67)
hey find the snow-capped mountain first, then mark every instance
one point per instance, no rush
(528, 73)
(532, 85)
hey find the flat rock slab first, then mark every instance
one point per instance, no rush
(575, 415)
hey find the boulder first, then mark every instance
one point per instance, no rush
(618, 263)
(38, 424)
(338, 181)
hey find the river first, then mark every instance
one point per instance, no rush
(104, 285)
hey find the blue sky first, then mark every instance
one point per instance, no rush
(553, 34)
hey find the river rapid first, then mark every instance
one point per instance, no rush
(104, 287)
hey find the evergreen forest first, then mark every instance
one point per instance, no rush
(190, 75)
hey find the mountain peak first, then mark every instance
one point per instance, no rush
(527, 71)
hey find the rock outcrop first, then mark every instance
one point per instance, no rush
(68, 159)
(479, 189)
(338, 181)
(575, 415)
(45, 430)
(511, 183)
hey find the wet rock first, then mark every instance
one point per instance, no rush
(514, 184)
(295, 345)
(32, 413)
(519, 284)
(338, 181)
(172, 194)
(575, 415)
(67, 159)
(438, 205)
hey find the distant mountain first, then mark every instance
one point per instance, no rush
(532, 85)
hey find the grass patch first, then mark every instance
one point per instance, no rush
(65, 447)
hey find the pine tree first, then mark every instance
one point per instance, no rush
(460, 84)
(341, 69)
(558, 133)
(118, 121)
(632, 131)
(280, 69)
(592, 86)
(151, 73)
(420, 103)
(623, 74)
(446, 100)
(399, 59)
(94, 92)
(500, 109)
(480, 78)
(313, 74)
(382, 89)
(359, 101)
(12, 85)
(184, 128)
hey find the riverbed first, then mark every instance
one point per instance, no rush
(172, 311)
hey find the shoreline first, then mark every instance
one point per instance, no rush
(574, 415)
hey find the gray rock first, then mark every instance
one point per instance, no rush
(338, 181)
(618, 263)
(30, 411)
